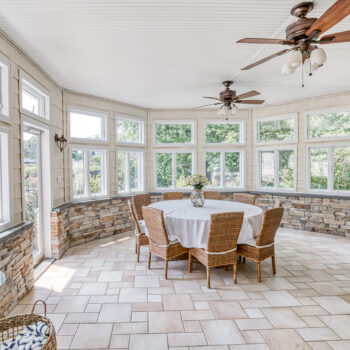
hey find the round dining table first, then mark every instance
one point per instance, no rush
(190, 225)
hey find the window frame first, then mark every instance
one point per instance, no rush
(293, 116)
(142, 123)
(276, 168)
(6, 117)
(104, 177)
(38, 91)
(330, 179)
(323, 111)
(95, 113)
(173, 178)
(175, 122)
(242, 128)
(5, 180)
(142, 169)
(242, 162)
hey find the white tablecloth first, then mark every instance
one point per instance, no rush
(190, 225)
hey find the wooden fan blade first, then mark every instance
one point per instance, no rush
(212, 98)
(251, 102)
(246, 95)
(267, 59)
(341, 37)
(210, 104)
(265, 41)
(331, 17)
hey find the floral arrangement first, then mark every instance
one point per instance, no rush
(197, 181)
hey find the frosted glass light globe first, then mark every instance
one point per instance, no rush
(287, 69)
(318, 56)
(234, 110)
(295, 59)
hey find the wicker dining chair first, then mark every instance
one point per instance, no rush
(221, 247)
(159, 243)
(244, 198)
(140, 235)
(264, 246)
(212, 195)
(138, 201)
(278, 203)
(167, 196)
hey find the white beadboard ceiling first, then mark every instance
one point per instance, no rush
(167, 53)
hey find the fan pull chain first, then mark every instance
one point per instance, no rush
(302, 75)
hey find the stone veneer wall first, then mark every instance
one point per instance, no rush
(16, 262)
(76, 223)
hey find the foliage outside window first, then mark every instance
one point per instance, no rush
(223, 132)
(4, 89)
(276, 169)
(4, 180)
(87, 125)
(172, 169)
(89, 173)
(174, 133)
(130, 171)
(129, 130)
(328, 124)
(224, 169)
(34, 100)
(329, 168)
(278, 130)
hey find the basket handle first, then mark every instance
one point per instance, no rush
(39, 301)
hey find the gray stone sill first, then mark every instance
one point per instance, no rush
(16, 230)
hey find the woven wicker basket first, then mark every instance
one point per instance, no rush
(10, 327)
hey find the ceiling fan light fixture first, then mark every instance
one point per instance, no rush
(295, 59)
(318, 56)
(287, 69)
(234, 109)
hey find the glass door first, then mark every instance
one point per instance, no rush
(33, 186)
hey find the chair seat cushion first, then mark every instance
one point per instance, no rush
(252, 243)
(142, 226)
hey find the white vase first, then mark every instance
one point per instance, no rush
(197, 197)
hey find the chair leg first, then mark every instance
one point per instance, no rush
(243, 260)
(239, 258)
(226, 268)
(259, 271)
(273, 264)
(208, 276)
(149, 260)
(235, 273)
(138, 253)
(189, 262)
(136, 246)
(166, 269)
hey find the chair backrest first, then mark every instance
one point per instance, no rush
(172, 195)
(269, 227)
(244, 198)
(138, 201)
(224, 231)
(212, 195)
(154, 221)
(278, 203)
(137, 226)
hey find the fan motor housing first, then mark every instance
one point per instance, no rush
(297, 30)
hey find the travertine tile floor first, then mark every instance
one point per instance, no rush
(99, 298)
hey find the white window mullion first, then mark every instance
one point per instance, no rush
(86, 173)
(222, 163)
(330, 168)
(1, 190)
(127, 171)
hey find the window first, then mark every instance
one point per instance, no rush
(130, 131)
(329, 168)
(223, 132)
(172, 168)
(4, 89)
(34, 100)
(130, 171)
(175, 133)
(89, 173)
(276, 129)
(87, 125)
(224, 169)
(276, 169)
(328, 124)
(4, 180)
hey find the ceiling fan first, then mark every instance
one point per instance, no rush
(228, 100)
(302, 36)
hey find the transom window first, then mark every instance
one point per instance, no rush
(224, 169)
(329, 168)
(175, 133)
(87, 125)
(328, 124)
(34, 100)
(89, 172)
(224, 132)
(4, 89)
(276, 129)
(130, 131)
(172, 169)
(4, 180)
(276, 169)
(130, 171)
